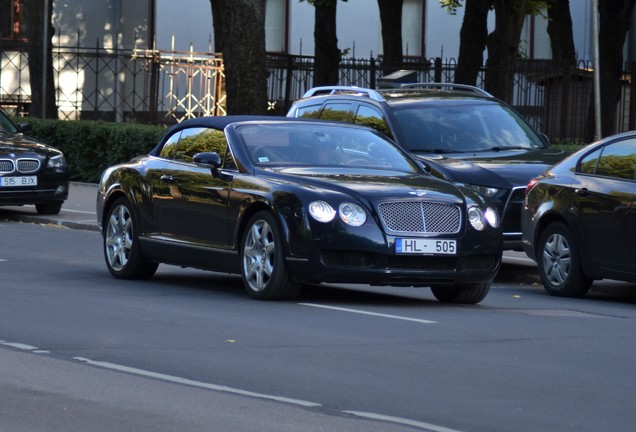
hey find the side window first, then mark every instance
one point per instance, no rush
(371, 117)
(183, 145)
(618, 160)
(170, 147)
(311, 111)
(337, 111)
(191, 142)
(587, 165)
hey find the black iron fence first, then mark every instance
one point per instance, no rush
(167, 86)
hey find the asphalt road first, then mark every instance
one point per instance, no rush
(190, 351)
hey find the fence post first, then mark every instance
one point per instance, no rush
(372, 71)
(565, 102)
(289, 78)
(632, 98)
(438, 70)
(154, 86)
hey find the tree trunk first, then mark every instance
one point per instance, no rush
(614, 22)
(42, 104)
(560, 31)
(503, 47)
(244, 58)
(391, 19)
(217, 17)
(472, 41)
(327, 55)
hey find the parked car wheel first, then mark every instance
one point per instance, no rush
(124, 258)
(49, 208)
(263, 263)
(466, 294)
(559, 265)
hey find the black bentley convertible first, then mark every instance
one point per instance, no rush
(286, 202)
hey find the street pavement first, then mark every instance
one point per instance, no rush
(78, 212)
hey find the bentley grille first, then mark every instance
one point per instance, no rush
(420, 217)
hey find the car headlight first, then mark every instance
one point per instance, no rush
(492, 217)
(56, 162)
(322, 211)
(352, 214)
(478, 218)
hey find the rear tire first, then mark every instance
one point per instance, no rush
(559, 264)
(122, 252)
(462, 293)
(263, 268)
(49, 208)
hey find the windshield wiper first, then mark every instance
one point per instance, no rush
(502, 148)
(436, 151)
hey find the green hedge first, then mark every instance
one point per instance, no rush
(92, 146)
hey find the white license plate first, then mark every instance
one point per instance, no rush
(425, 246)
(18, 181)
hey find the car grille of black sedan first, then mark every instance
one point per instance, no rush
(420, 217)
(24, 166)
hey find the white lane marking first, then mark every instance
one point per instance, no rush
(68, 210)
(521, 260)
(79, 211)
(185, 381)
(25, 347)
(417, 424)
(421, 321)
(19, 346)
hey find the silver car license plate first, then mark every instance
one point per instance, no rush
(425, 246)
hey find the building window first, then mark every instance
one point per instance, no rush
(276, 25)
(10, 19)
(412, 13)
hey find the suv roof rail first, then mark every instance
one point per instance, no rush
(448, 86)
(370, 93)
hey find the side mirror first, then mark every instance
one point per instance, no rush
(212, 161)
(545, 139)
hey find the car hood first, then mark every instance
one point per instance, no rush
(501, 169)
(373, 185)
(21, 144)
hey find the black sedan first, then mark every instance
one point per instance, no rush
(30, 172)
(579, 217)
(286, 202)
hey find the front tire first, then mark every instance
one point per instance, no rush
(122, 252)
(462, 293)
(559, 264)
(263, 269)
(49, 208)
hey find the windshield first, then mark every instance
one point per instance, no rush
(464, 128)
(6, 125)
(297, 144)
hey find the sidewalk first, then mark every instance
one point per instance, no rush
(78, 211)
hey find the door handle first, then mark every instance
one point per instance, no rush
(168, 179)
